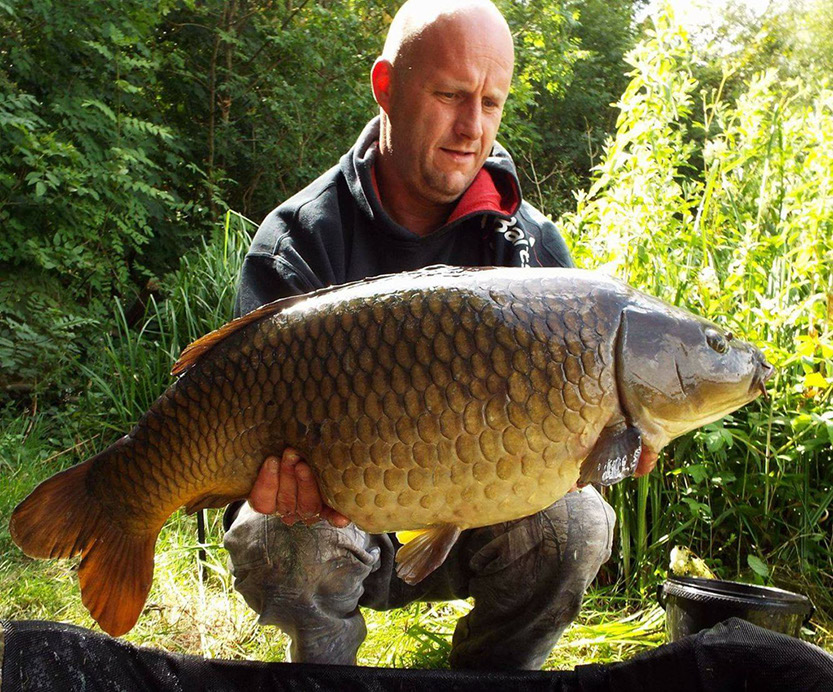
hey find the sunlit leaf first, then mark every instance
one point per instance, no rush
(757, 565)
(815, 379)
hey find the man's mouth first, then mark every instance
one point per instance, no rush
(458, 155)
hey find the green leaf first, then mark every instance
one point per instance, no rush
(757, 565)
(718, 438)
(697, 471)
(697, 509)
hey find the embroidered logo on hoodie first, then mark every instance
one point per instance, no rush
(521, 241)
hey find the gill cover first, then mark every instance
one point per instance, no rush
(677, 371)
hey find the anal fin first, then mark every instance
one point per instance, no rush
(209, 501)
(614, 457)
(425, 552)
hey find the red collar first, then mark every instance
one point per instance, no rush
(487, 193)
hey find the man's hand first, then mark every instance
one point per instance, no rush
(647, 462)
(286, 487)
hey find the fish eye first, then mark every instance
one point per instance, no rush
(717, 341)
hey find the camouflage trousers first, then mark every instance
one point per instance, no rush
(527, 578)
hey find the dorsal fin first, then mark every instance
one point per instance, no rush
(192, 353)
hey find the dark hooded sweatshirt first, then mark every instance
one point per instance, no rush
(336, 230)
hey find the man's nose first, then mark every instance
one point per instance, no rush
(470, 120)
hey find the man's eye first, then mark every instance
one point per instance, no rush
(447, 94)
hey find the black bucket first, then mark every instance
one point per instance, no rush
(693, 604)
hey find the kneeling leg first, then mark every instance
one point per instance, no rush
(528, 578)
(307, 580)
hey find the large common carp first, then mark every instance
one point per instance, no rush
(440, 399)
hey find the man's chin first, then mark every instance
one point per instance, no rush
(448, 190)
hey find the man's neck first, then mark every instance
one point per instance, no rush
(421, 217)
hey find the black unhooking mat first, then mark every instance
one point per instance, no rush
(735, 655)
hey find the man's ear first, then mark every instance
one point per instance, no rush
(380, 80)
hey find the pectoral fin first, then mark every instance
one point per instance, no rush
(614, 457)
(424, 552)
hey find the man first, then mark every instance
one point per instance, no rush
(424, 184)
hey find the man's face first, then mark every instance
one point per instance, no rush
(445, 107)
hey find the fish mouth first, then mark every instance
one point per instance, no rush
(763, 372)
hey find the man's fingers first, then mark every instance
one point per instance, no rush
(309, 499)
(265, 490)
(294, 492)
(647, 462)
(287, 492)
(290, 519)
(335, 518)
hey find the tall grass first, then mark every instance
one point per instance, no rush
(727, 209)
(134, 363)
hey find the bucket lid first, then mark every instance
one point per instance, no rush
(750, 595)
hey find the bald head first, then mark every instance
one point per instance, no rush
(416, 20)
(441, 85)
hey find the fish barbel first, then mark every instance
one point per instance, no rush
(439, 400)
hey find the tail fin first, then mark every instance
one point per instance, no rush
(61, 519)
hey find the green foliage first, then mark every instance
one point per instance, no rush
(270, 95)
(643, 181)
(88, 177)
(795, 38)
(131, 366)
(748, 242)
(569, 71)
(121, 135)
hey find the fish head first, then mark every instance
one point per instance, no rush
(677, 371)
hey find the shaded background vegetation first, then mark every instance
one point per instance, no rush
(702, 173)
(127, 129)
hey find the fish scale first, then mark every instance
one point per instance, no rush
(440, 399)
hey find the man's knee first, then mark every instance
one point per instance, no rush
(279, 568)
(588, 540)
(572, 536)
(528, 578)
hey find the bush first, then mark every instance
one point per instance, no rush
(747, 242)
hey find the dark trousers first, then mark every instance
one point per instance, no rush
(527, 578)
